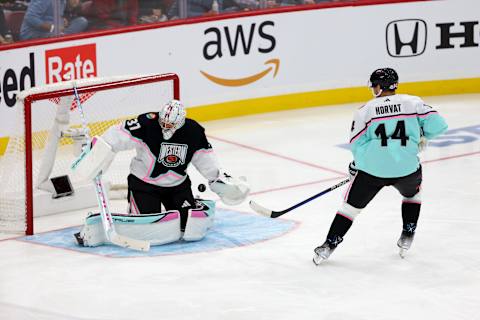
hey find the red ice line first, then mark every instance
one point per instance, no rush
(277, 155)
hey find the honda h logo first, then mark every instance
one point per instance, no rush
(406, 38)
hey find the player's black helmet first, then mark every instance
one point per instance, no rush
(387, 78)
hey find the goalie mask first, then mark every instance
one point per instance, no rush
(171, 118)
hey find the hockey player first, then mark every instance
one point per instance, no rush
(386, 135)
(166, 142)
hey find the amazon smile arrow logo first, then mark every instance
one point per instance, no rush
(274, 65)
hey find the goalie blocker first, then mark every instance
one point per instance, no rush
(157, 228)
(94, 160)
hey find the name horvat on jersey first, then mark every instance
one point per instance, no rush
(391, 108)
(172, 155)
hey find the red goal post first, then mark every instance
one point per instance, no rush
(106, 101)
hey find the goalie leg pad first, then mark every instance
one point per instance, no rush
(91, 235)
(158, 228)
(199, 220)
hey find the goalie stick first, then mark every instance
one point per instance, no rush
(275, 214)
(107, 220)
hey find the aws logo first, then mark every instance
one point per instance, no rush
(241, 40)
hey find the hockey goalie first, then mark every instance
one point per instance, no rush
(166, 142)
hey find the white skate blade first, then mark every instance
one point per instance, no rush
(402, 253)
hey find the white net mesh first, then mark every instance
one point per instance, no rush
(123, 99)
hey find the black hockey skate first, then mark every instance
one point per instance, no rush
(406, 238)
(326, 249)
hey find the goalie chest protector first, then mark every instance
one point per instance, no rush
(171, 155)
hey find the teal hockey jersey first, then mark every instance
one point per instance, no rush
(386, 131)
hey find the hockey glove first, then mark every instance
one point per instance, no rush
(422, 145)
(230, 190)
(94, 160)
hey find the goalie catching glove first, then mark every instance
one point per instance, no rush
(231, 191)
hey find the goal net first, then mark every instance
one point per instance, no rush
(49, 137)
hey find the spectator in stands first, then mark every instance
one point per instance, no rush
(240, 5)
(5, 36)
(14, 5)
(197, 8)
(282, 3)
(153, 11)
(114, 13)
(39, 20)
(73, 11)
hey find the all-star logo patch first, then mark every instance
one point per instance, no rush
(172, 154)
(151, 115)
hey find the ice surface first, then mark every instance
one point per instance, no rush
(287, 157)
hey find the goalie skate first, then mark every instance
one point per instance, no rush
(404, 243)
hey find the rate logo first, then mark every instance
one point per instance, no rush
(71, 63)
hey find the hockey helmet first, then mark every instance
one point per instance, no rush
(386, 78)
(171, 118)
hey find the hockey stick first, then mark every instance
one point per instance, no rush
(275, 214)
(107, 220)
(108, 225)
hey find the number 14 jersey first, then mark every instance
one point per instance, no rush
(386, 131)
